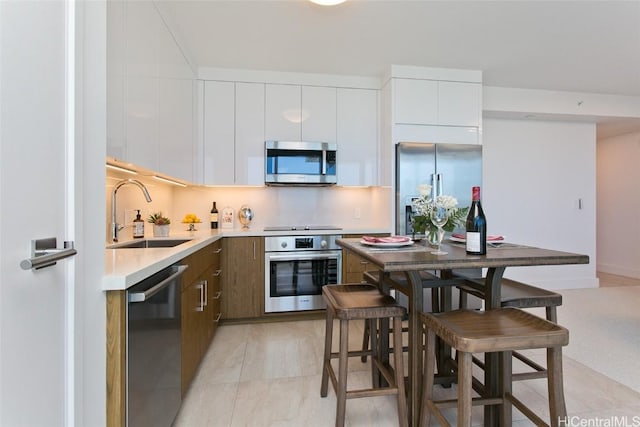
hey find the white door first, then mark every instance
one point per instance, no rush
(40, 353)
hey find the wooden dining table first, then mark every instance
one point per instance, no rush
(414, 258)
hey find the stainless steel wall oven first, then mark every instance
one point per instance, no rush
(296, 269)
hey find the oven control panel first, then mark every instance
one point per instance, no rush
(301, 243)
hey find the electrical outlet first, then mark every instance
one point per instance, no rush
(356, 213)
(129, 216)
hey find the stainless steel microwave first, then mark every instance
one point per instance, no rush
(300, 163)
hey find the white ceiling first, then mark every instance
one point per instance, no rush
(582, 46)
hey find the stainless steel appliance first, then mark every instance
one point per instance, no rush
(296, 269)
(300, 163)
(153, 349)
(459, 166)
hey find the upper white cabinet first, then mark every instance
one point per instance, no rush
(219, 133)
(357, 130)
(300, 113)
(283, 115)
(238, 117)
(443, 103)
(150, 92)
(318, 113)
(416, 101)
(234, 117)
(459, 104)
(435, 105)
(249, 130)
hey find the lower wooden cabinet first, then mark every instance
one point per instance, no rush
(352, 265)
(201, 297)
(243, 282)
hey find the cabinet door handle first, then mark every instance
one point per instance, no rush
(217, 295)
(206, 292)
(254, 250)
(364, 262)
(201, 287)
(218, 317)
(217, 273)
(217, 251)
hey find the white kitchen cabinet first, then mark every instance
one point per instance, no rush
(141, 121)
(150, 89)
(459, 104)
(437, 103)
(300, 113)
(141, 90)
(250, 133)
(115, 80)
(283, 112)
(318, 113)
(219, 133)
(357, 136)
(415, 101)
(142, 27)
(175, 128)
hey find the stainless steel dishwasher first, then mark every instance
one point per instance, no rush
(153, 349)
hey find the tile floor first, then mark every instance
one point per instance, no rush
(269, 374)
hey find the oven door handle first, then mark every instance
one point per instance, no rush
(303, 257)
(143, 296)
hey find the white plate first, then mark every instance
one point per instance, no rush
(387, 245)
(463, 240)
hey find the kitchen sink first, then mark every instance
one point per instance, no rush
(147, 243)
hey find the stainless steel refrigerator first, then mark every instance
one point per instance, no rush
(460, 166)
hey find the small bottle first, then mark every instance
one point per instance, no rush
(138, 226)
(476, 227)
(214, 216)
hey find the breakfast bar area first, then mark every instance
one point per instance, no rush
(415, 258)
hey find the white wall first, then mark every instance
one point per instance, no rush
(271, 205)
(534, 173)
(618, 229)
(292, 206)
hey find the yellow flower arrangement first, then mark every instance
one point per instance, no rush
(191, 218)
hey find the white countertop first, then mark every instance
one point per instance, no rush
(126, 267)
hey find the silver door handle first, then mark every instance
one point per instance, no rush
(44, 253)
(143, 296)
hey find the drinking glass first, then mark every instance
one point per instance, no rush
(439, 217)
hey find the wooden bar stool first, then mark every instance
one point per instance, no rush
(361, 301)
(500, 330)
(519, 295)
(400, 280)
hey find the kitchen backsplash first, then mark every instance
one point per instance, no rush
(348, 207)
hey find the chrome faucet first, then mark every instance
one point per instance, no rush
(115, 227)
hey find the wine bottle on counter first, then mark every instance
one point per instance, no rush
(476, 236)
(214, 216)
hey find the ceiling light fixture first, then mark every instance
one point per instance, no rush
(170, 181)
(121, 169)
(327, 2)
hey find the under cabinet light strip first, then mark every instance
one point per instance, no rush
(121, 169)
(170, 181)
